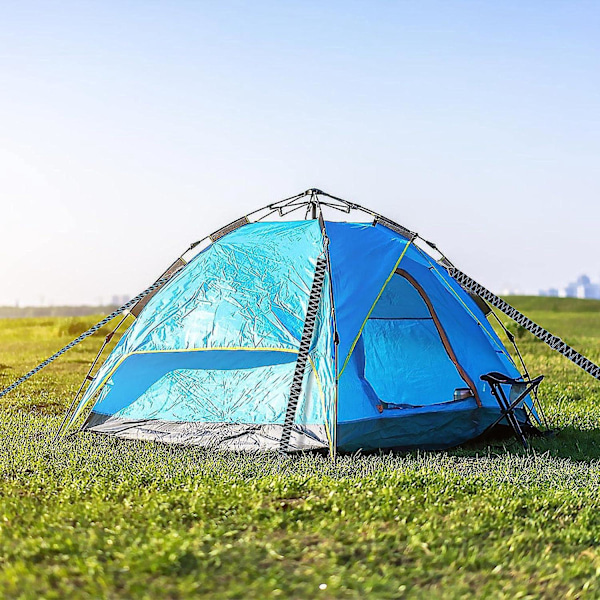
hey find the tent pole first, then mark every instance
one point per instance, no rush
(511, 338)
(272, 208)
(336, 339)
(336, 342)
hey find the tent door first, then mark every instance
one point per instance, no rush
(409, 361)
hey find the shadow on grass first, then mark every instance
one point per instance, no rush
(580, 445)
(570, 442)
(573, 443)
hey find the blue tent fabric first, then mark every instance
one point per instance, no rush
(211, 358)
(363, 256)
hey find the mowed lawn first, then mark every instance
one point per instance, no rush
(102, 518)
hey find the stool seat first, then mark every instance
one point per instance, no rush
(495, 377)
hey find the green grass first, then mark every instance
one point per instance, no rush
(98, 517)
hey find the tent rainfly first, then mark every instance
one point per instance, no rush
(312, 334)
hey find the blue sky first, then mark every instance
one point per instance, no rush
(130, 129)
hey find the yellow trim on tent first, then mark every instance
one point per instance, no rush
(123, 358)
(373, 306)
(322, 396)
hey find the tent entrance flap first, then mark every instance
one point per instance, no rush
(408, 361)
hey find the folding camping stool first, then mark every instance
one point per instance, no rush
(519, 390)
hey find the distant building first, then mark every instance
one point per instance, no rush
(581, 288)
(119, 300)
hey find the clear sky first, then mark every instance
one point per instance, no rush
(130, 129)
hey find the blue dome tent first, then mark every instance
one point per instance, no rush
(306, 334)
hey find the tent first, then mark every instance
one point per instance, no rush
(305, 334)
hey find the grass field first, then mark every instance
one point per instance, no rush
(97, 517)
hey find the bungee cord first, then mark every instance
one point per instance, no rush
(83, 336)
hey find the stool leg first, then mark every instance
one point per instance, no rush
(508, 412)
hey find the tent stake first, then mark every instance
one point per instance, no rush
(87, 378)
